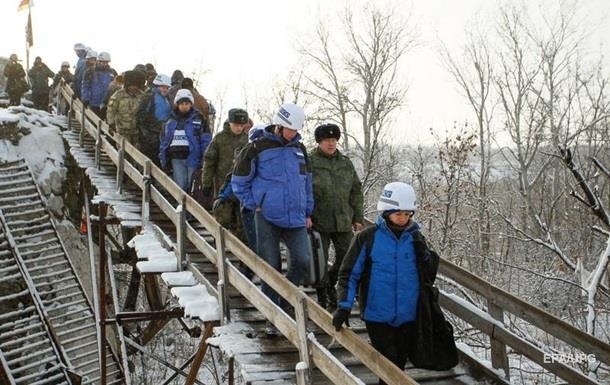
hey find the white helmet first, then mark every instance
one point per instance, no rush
(291, 116)
(79, 47)
(256, 132)
(397, 196)
(103, 56)
(183, 93)
(91, 54)
(162, 80)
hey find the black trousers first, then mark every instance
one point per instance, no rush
(392, 342)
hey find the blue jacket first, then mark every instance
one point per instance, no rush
(275, 176)
(78, 72)
(386, 280)
(95, 84)
(198, 140)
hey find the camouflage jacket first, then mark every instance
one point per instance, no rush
(122, 108)
(337, 193)
(218, 158)
(39, 77)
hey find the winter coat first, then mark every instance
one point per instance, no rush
(39, 77)
(218, 158)
(95, 84)
(15, 78)
(198, 138)
(113, 87)
(382, 270)
(337, 192)
(275, 176)
(79, 71)
(153, 112)
(121, 113)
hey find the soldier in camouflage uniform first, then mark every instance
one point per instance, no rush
(337, 203)
(123, 105)
(218, 158)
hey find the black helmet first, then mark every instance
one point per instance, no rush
(328, 130)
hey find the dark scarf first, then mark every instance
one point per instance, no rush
(396, 229)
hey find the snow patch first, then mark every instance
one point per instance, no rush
(181, 278)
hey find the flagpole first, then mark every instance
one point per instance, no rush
(27, 42)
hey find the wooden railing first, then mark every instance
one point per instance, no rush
(311, 352)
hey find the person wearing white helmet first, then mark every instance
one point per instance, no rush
(387, 266)
(95, 82)
(81, 51)
(272, 177)
(153, 112)
(67, 76)
(184, 140)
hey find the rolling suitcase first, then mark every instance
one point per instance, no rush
(317, 265)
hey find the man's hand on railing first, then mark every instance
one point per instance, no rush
(85, 104)
(340, 317)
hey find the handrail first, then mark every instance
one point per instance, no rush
(526, 311)
(361, 349)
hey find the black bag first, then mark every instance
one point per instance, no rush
(196, 191)
(317, 265)
(435, 347)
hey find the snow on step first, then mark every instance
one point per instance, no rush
(230, 337)
(180, 278)
(197, 302)
(159, 259)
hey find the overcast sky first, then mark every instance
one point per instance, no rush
(245, 43)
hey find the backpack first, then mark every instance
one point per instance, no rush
(318, 265)
(196, 190)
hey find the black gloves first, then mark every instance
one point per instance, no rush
(340, 317)
(85, 104)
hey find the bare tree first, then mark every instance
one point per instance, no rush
(474, 75)
(360, 83)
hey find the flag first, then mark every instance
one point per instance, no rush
(29, 37)
(25, 4)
